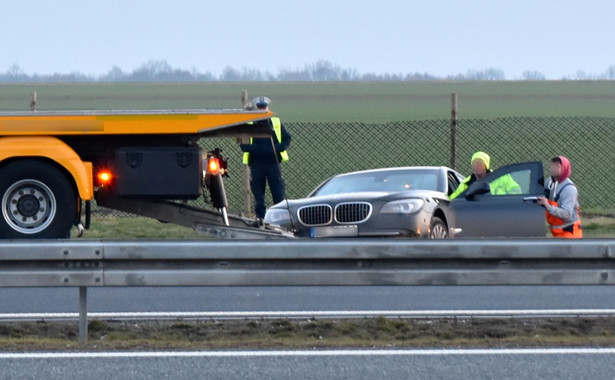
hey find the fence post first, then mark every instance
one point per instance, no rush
(33, 101)
(453, 129)
(247, 196)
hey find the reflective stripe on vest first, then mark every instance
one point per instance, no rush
(277, 129)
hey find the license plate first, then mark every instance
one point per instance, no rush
(337, 231)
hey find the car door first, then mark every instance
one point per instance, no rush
(502, 210)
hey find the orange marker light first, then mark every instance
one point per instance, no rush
(104, 177)
(213, 166)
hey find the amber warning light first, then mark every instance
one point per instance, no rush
(213, 166)
(104, 177)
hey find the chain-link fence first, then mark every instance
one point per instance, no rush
(320, 150)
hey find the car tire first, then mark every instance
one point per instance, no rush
(37, 201)
(438, 229)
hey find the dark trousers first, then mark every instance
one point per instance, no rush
(260, 175)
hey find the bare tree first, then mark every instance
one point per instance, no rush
(113, 75)
(533, 75)
(321, 70)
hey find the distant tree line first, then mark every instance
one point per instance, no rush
(322, 70)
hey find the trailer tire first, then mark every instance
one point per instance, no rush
(37, 201)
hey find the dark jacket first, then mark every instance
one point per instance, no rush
(261, 150)
(465, 184)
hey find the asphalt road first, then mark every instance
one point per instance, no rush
(51, 300)
(463, 364)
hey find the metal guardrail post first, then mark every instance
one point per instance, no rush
(83, 314)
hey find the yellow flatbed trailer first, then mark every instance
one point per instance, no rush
(125, 122)
(54, 164)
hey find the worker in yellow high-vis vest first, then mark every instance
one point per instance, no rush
(265, 162)
(481, 167)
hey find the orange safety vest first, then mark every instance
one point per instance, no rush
(561, 229)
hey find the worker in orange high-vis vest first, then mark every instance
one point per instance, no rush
(562, 204)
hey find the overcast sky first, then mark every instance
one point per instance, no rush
(436, 36)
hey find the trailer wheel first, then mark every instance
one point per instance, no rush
(38, 201)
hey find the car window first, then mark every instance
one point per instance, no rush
(512, 183)
(453, 183)
(382, 181)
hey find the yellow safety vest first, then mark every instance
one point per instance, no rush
(277, 128)
(504, 185)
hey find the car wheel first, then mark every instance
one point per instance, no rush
(37, 201)
(438, 229)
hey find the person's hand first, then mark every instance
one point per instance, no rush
(543, 201)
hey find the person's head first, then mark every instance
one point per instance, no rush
(262, 103)
(555, 167)
(481, 163)
(560, 168)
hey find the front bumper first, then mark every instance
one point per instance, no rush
(387, 225)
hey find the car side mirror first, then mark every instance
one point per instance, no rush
(477, 188)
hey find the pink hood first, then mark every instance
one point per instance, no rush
(566, 169)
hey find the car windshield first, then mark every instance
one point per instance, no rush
(390, 181)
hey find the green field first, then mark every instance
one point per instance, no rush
(370, 102)
(309, 334)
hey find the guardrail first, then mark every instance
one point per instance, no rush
(315, 314)
(86, 264)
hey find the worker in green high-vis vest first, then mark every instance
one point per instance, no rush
(264, 161)
(481, 167)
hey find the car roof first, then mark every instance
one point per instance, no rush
(434, 168)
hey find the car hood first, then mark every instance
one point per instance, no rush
(368, 196)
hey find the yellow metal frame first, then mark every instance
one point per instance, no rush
(128, 122)
(55, 150)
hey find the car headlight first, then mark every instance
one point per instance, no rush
(405, 206)
(277, 216)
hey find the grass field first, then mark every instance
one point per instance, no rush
(337, 101)
(110, 227)
(309, 334)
